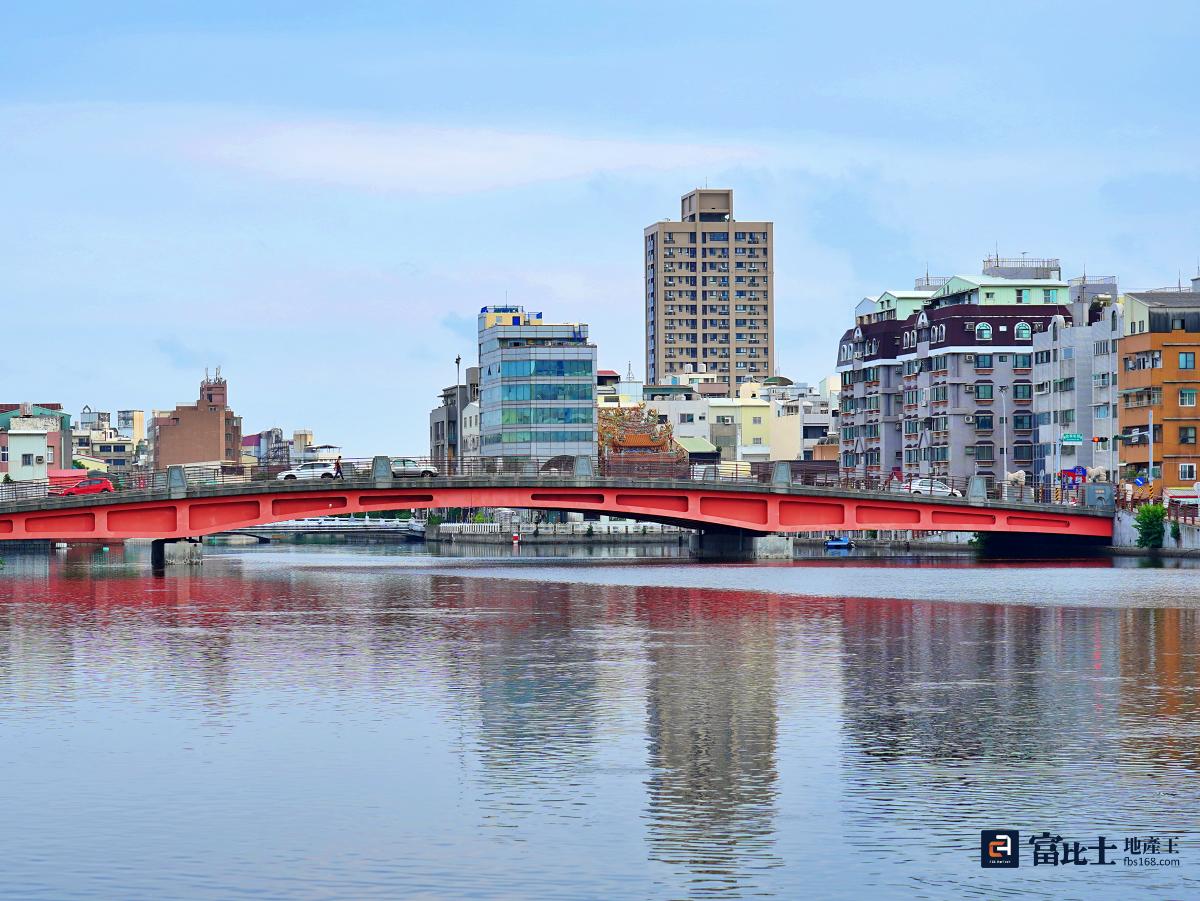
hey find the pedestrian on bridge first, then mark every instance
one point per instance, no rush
(337, 468)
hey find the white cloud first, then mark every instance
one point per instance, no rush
(442, 160)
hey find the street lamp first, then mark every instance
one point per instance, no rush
(457, 413)
(1004, 438)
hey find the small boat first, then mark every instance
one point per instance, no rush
(834, 543)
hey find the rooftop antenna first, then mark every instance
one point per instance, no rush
(629, 376)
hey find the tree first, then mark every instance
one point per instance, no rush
(1150, 525)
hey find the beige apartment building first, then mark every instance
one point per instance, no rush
(709, 294)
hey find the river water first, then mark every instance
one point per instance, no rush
(372, 722)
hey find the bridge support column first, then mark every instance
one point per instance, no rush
(735, 546)
(175, 553)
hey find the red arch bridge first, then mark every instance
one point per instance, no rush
(191, 502)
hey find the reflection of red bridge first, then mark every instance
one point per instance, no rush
(173, 506)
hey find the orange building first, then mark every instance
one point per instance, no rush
(204, 432)
(1158, 378)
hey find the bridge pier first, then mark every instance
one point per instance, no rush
(175, 552)
(738, 546)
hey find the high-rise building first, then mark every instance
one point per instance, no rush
(939, 381)
(537, 386)
(1075, 386)
(709, 294)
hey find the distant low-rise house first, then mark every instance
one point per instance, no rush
(35, 441)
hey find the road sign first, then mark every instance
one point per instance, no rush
(1072, 438)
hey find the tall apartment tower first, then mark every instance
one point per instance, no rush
(709, 295)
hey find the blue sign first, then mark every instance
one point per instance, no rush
(1080, 470)
(1140, 480)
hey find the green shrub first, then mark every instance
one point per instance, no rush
(1150, 525)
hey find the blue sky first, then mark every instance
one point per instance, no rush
(320, 201)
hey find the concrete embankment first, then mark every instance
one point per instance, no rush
(1125, 538)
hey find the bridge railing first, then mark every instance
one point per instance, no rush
(417, 469)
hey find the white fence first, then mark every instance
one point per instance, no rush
(559, 528)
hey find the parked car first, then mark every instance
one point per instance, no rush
(92, 485)
(319, 470)
(403, 467)
(928, 486)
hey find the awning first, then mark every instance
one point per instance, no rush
(696, 445)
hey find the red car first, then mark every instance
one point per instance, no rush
(94, 485)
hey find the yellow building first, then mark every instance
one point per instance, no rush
(741, 425)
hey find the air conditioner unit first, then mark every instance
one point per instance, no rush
(969, 451)
(970, 389)
(969, 419)
(968, 358)
(39, 460)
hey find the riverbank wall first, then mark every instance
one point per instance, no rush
(1125, 538)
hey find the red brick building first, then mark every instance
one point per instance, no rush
(204, 432)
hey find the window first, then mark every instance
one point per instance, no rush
(26, 459)
(985, 453)
(983, 332)
(983, 392)
(687, 417)
(1187, 434)
(1022, 361)
(983, 422)
(526, 368)
(1049, 295)
(983, 361)
(1023, 391)
(1187, 360)
(1022, 295)
(1187, 397)
(1023, 332)
(1187, 472)
(758, 440)
(1176, 323)
(1023, 421)
(757, 420)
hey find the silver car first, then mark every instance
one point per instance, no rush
(404, 467)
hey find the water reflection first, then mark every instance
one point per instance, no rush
(712, 729)
(577, 732)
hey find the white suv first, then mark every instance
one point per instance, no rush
(322, 470)
(929, 486)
